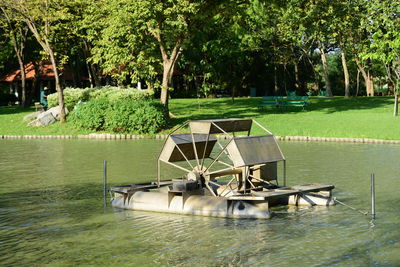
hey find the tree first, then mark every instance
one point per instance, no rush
(135, 30)
(43, 18)
(17, 33)
(383, 22)
(86, 25)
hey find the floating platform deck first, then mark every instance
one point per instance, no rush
(234, 179)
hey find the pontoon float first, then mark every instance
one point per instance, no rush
(224, 174)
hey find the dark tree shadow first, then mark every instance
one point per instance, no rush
(247, 107)
(4, 110)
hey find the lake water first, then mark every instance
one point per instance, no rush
(51, 210)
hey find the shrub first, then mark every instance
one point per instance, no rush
(73, 95)
(90, 115)
(139, 116)
(117, 93)
(150, 118)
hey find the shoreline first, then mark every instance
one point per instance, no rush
(103, 136)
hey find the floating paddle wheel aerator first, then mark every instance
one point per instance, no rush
(221, 162)
(226, 172)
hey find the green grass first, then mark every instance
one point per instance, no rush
(362, 117)
(11, 123)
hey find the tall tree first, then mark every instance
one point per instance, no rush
(135, 30)
(17, 33)
(44, 18)
(383, 23)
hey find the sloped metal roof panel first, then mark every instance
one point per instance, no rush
(183, 142)
(252, 150)
(220, 126)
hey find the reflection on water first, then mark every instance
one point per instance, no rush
(51, 210)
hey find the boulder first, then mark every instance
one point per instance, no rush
(43, 119)
(32, 116)
(47, 119)
(55, 111)
(35, 123)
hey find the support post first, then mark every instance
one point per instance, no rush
(373, 213)
(158, 173)
(284, 173)
(105, 182)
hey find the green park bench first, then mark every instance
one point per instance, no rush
(270, 101)
(296, 101)
(280, 102)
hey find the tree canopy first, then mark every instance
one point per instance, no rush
(203, 47)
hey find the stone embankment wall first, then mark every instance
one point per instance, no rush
(130, 136)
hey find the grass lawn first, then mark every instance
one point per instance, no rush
(11, 123)
(362, 117)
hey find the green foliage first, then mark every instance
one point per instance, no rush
(139, 116)
(118, 94)
(72, 96)
(90, 115)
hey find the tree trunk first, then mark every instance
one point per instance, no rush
(92, 70)
(23, 80)
(167, 74)
(19, 47)
(296, 77)
(346, 75)
(390, 86)
(316, 77)
(58, 87)
(44, 42)
(168, 66)
(326, 73)
(89, 74)
(358, 81)
(276, 88)
(370, 81)
(396, 104)
(367, 78)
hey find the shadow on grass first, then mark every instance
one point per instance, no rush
(247, 107)
(340, 104)
(4, 110)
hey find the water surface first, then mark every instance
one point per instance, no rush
(51, 210)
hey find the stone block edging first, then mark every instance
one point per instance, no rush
(107, 136)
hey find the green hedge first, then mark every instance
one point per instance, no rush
(72, 96)
(127, 116)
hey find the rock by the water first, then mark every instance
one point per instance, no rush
(55, 111)
(35, 123)
(43, 119)
(32, 116)
(47, 119)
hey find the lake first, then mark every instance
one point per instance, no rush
(51, 210)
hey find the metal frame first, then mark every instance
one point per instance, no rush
(245, 179)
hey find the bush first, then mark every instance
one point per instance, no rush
(140, 116)
(90, 115)
(73, 95)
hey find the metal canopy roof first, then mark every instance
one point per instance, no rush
(215, 126)
(252, 150)
(177, 143)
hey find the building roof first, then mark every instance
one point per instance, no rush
(46, 73)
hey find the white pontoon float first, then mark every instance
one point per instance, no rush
(224, 174)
